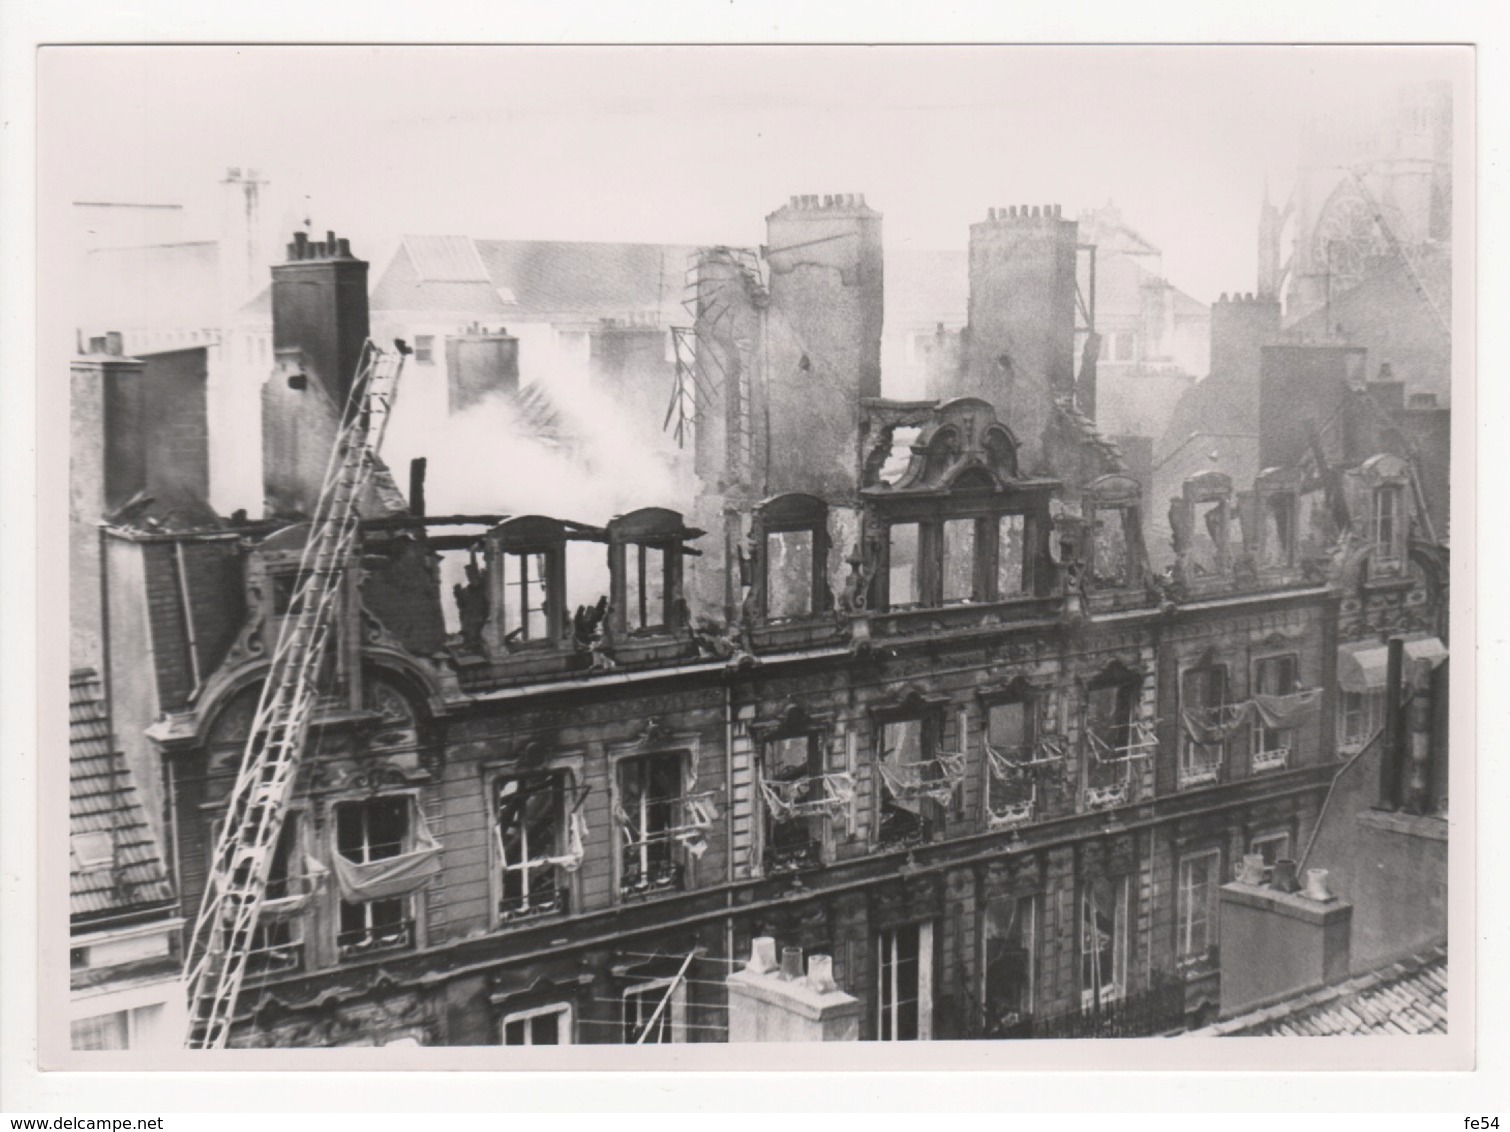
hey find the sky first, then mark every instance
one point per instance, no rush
(697, 145)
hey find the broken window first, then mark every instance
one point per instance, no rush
(959, 560)
(533, 845)
(795, 791)
(645, 589)
(526, 578)
(902, 556)
(1116, 739)
(1200, 874)
(1208, 719)
(1103, 940)
(1279, 530)
(1111, 553)
(918, 780)
(370, 831)
(1208, 538)
(904, 991)
(655, 1013)
(1012, 573)
(1273, 676)
(587, 574)
(657, 817)
(789, 574)
(1007, 961)
(286, 585)
(543, 1026)
(1011, 746)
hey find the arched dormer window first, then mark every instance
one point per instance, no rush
(792, 536)
(540, 570)
(645, 556)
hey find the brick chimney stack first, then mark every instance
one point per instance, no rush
(320, 324)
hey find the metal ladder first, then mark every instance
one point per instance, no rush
(237, 883)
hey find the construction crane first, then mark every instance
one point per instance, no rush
(237, 884)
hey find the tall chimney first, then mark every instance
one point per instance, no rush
(822, 341)
(107, 466)
(1020, 353)
(320, 325)
(243, 267)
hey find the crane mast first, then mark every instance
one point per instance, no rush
(238, 875)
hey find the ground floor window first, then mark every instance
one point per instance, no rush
(904, 998)
(655, 1013)
(1103, 940)
(1007, 960)
(543, 1026)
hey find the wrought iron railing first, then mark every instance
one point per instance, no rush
(1160, 1009)
(370, 941)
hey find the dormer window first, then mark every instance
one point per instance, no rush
(1388, 525)
(958, 551)
(646, 549)
(792, 537)
(903, 557)
(540, 570)
(1114, 542)
(955, 561)
(1279, 530)
(526, 596)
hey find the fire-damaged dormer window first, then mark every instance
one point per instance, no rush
(792, 534)
(541, 571)
(1271, 517)
(1201, 520)
(1114, 544)
(646, 549)
(972, 557)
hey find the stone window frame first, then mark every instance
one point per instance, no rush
(1190, 773)
(565, 1023)
(1183, 918)
(1036, 693)
(794, 721)
(1257, 729)
(931, 711)
(687, 745)
(416, 904)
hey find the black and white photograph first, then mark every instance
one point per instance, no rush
(696, 546)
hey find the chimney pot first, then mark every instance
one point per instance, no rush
(762, 955)
(1035, 212)
(820, 974)
(1248, 298)
(1014, 212)
(828, 200)
(1223, 299)
(1285, 879)
(97, 345)
(990, 214)
(1316, 888)
(791, 963)
(114, 344)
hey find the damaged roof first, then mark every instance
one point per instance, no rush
(1409, 997)
(114, 861)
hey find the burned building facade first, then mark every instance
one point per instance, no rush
(898, 686)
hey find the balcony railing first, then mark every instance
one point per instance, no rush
(1274, 759)
(936, 778)
(793, 857)
(1157, 1010)
(660, 876)
(544, 901)
(1103, 797)
(809, 796)
(1138, 742)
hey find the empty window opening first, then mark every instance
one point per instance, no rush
(1208, 538)
(374, 830)
(897, 460)
(1012, 578)
(903, 581)
(544, 1026)
(531, 845)
(1111, 551)
(1200, 875)
(1007, 962)
(286, 587)
(789, 574)
(526, 596)
(651, 793)
(1116, 741)
(1103, 940)
(587, 574)
(959, 560)
(1279, 530)
(655, 1013)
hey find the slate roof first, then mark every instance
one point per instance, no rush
(1409, 997)
(106, 821)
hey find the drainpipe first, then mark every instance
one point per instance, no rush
(1418, 753)
(1391, 758)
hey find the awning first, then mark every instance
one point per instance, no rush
(1363, 666)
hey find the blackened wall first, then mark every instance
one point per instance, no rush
(178, 451)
